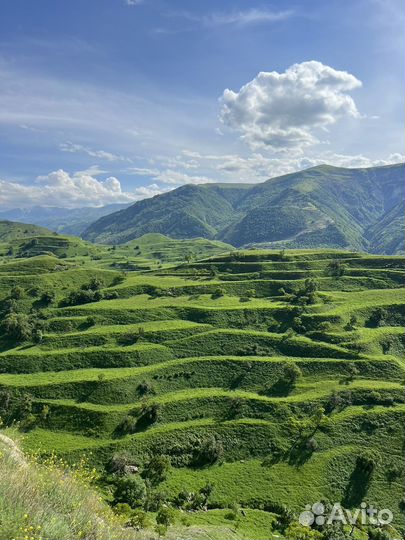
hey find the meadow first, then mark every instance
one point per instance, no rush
(215, 391)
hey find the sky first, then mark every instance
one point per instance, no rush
(111, 101)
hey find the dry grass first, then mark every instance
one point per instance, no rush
(49, 501)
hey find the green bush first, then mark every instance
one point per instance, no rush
(130, 490)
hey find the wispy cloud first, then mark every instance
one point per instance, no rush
(133, 2)
(236, 17)
(247, 17)
(101, 154)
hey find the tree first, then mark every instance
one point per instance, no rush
(165, 516)
(352, 372)
(47, 297)
(144, 388)
(139, 519)
(17, 326)
(336, 268)
(378, 534)
(156, 469)
(307, 427)
(351, 325)
(250, 293)
(296, 531)
(207, 490)
(95, 284)
(17, 293)
(37, 335)
(209, 451)
(291, 373)
(130, 490)
(218, 293)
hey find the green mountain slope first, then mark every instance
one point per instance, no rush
(388, 234)
(10, 230)
(61, 220)
(186, 212)
(322, 206)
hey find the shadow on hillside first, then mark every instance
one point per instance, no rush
(7, 345)
(237, 381)
(281, 388)
(356, 488)
(300, 454)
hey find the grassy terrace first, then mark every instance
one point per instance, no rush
(221, 363)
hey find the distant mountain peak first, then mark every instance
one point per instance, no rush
(322, 206)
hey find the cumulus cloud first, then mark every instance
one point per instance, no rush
(59, 188)
(101, 154)
(283, 111)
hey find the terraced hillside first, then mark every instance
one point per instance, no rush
(243, 386)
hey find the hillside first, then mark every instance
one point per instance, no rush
(62, 220)
(10, 231)
(217, 396)
(388, 234)
(319, 207)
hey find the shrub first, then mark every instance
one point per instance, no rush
(37, 335)
(144, 388)
(165, 516)
(90, 321)
(378, 534)
(48, 297)
(83, 296)
(291, 373)
(311, 444)
(156, 469)
(139, 519)
(17, 292)
(336, 269)
(128, 425)
(296, 531)
(119, 463)
(250, 293)
(209, 451)
(17, 326)
(375, 397)
(130, 490)
(218, 293)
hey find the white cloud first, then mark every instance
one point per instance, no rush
(237, 18)
(283, 111)
(258, 168)
(101, 154)
(133, 2)
(59, 188)
(247, 17)
(170, 176)
(82, 188)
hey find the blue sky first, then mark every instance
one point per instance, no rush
(113, 100)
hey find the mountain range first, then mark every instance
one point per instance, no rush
(62, 220)
(323, 206)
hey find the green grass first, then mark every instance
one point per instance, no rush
(212, 365)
